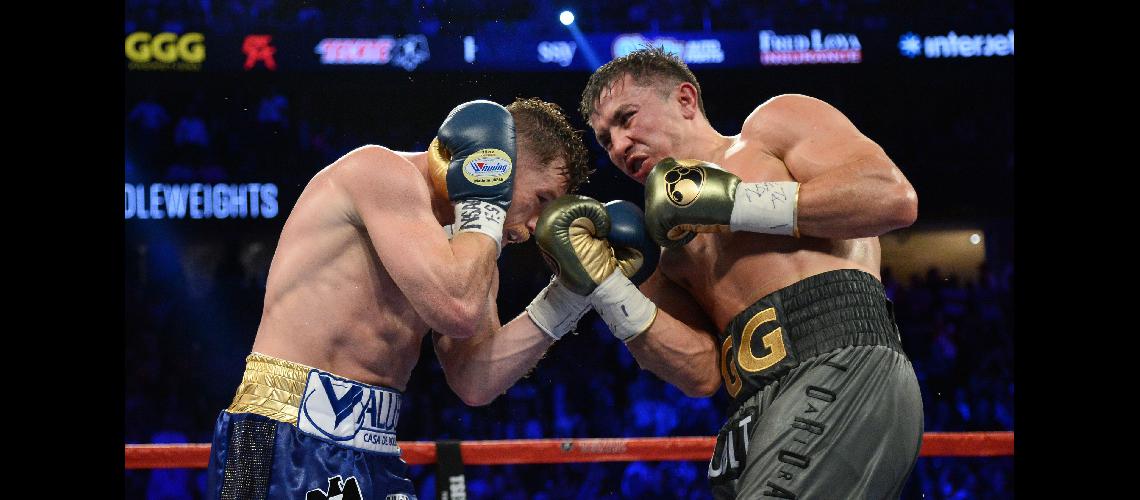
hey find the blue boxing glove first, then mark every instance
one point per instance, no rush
(472, 162)
(636, 253)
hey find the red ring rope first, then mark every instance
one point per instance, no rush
(553, 451)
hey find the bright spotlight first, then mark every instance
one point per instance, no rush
(566, 17)
(975, 239)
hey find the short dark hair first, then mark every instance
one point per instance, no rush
(549, 134)
(649, 66)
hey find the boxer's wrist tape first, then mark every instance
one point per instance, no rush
(623, 307)
(556, 310)
(481, 217)
(766, 207)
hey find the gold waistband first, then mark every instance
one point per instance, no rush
(270, 387)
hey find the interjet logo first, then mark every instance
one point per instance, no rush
(952, 44)
(910, 45)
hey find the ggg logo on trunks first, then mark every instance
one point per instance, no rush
(354, 414)
(487, 167)
(683, 182)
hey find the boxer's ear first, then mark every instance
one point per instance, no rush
(685, 95)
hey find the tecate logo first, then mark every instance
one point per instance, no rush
(355, 50)
(407, 52)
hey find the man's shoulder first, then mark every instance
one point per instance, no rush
(369, 153)
(372, 161)
(781, 114)
(367, 171)
(368, 181)
(783, 106)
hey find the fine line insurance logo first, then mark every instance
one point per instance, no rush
(200, 201)
(815, 47)
(952, 45)
(350, 413)
(407, 52)
(165, 51)
(701, 51)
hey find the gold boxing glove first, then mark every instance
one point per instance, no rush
(572, 234)
(685, 197)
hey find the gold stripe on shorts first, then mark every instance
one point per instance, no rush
(270, 387)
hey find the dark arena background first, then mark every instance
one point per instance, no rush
(232, 106)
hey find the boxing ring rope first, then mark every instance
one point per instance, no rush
(556, 451)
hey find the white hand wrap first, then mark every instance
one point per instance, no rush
(623, 307)
(557, 310)
(481, 217)
(766, 207)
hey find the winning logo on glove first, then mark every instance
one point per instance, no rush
(683, 183)
(487, 167)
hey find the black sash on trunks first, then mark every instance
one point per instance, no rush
(818, 314)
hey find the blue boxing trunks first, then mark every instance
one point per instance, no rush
(295, 432)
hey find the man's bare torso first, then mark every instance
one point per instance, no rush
(329, 302)
(727, 272)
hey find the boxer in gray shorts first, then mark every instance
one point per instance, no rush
(768, 282)
(824, 418)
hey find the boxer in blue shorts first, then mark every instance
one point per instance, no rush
(292, 427)
(362, 272)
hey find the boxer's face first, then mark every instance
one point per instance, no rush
(535, 186)
(637, 126)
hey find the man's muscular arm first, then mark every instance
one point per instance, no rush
(482, 367)
(681, 351)
(843, 184)
(446, 283)
(849, 187)
(679, 346)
